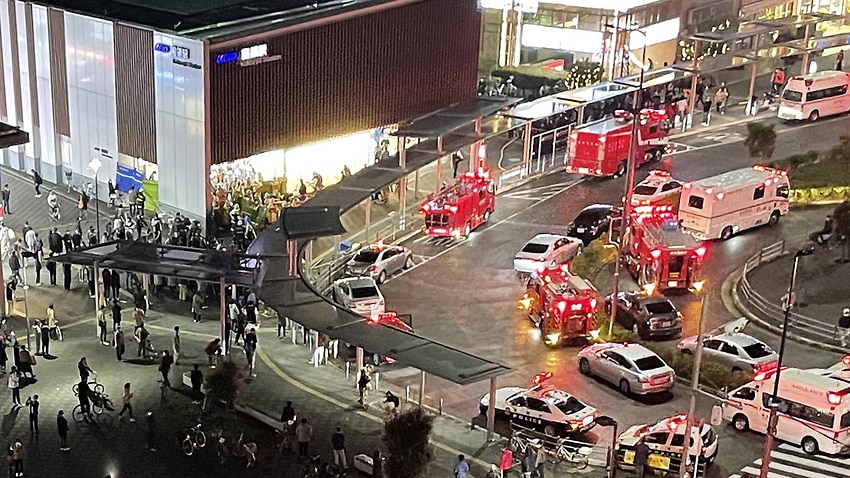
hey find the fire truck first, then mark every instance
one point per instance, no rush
(560, 304)
(658, 253)
(601, 148)
(460, 207)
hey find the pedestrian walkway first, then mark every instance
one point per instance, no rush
(789, 461)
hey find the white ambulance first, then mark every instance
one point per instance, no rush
(723, 205)
(824, 93)
(813, 408)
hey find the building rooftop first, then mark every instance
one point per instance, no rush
(212, 20)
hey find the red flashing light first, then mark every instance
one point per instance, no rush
(593, 303)
(834, 398)
(720, 195)
(808, 83)
(655, 253)
(561, 305)
(540, 378)
(845, 359)
(700, 251)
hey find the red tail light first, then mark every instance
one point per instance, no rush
(371, 269)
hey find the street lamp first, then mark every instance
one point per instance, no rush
(606, 421)
(771, 421)
(692, 403)
(95, 165)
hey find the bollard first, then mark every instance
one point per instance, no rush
(377, 380)
(347, 369)
(441, 407)
(406, 393)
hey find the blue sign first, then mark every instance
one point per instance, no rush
(228, 57)
(162, 48)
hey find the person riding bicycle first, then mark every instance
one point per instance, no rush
(53, 204)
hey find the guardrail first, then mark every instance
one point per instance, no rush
(771, 310)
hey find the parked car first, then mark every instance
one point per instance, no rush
(546, 250)
(657, 188)
(543, 408)
(592, 222)
(360, 294)
(666, 440)
(379, 261)
(728, 346)
(649, 317)
(632, 368)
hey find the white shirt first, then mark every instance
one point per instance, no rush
(234, 312)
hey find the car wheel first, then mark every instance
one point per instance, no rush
(486, 216)
(466, 230)
(741, 423)
(408, 263)
(549, 430)
(814, 116)
(621, 170)
(625, 389)
(774, 218)
(726, 233)
(584, 367)
(382, 277)
(810, 445)
(659, 153)
(687, 352)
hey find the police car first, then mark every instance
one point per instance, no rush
(666, 440)
(658, 188)
(543, 408)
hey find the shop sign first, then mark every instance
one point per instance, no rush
(248, 56)
(524, 6)
(179, 54)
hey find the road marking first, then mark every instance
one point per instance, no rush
(791, 462)
(502, 153)
(755, 471)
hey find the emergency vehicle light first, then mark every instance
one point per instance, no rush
(834, 398)
(426, 207)
(592, 303)
(561, 306)
(720, 195)
(709, 190)
(845, 359)
(700, 251)
(540, 378)
(766, 374)
(655, 253)
(576, 307)
(453, 209)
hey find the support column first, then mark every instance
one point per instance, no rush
(146, 285)
(421, 387)
(612, 48)
(491, 410)
(692, 99)
(292, 252)
(222, 293)
(752, 105)
(416, 185)
(526, 144)
(402, 186)
(475, 160)
(96, 272)
(439, 174)
(3, 311)
(368, 207)
(805, 67)
(358, 362)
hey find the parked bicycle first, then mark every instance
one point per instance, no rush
(569, 454)
(193, 439)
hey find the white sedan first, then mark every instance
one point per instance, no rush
(546, 250)
(360, 294)
(543, 408)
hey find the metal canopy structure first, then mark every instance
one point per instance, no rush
(12, 136)
(456, 116)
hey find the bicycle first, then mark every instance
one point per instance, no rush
(56, 332)
(94, 385)
(569, 454)
(101, 402)
(193, 439)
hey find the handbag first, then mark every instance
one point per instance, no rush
(32, 359)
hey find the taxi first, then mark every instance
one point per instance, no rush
(666, 440)
(658, 188)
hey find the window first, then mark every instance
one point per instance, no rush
(366, 256)
(801, 412)
(364, 292)
(537, 405)
(651, 362)
(845, 420)
(758, 193)
(728, 349)
(390, 253)
(678, 440)
(696, 202)
(783, 191)
(815, 95)
(535, 248)
(659, 308)
(746, 393)
(670, 186)
(570, 406)
(518, 402)
(791, 95)
(656, 438)
(758, 350)
(645, 190)
(712, 344)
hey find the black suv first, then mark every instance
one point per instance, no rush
(649, 317)
(592, 222)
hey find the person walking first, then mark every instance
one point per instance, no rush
(142, 336)
(839, 61)
(362, 383)
(175, 344)
(51, 270)
(18, 456)
(116, 315)
(115, 284)
(101, 324)
(165, 367)
(706, 107)
(119, 344)
(127, 400)
(84, 370)
(457, 157)
(150, 429)
(720, 99)
(11, 285)
(842, 328)
(303, 434)
(7, 195)
(196, 307)
(641, 457)
(14, 383)
(462, 467)
(287, 416)
(44, 330)
(338, 445)
(62, 426)
(506, 461)
(251, 349)
(197, 379)
(37, 181)
(32, 406)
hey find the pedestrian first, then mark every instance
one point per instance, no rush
(3, 357)
(839, 60)
(27, 361)
(150, 428)
(11, 285)
(18, 456)
(66, 275)
(720, 99)
(778, 80)
(115, 283)
(237, 319)
(62, 426)
(212, 349)
(706, 108)
(37, 181)
(7, 194)
(319, 352)
(641, 457)
(165, 367)
(51, 270)
(462, 467)
(377, 464)
(127, 400)
(32, 405)
(303, 434)
(251, 313)
(14, 383)
(142, 336)
(101, 324)
(362, 383)
(196, 307)
(842, 328)
(197, 379)
(540, 458)
(251, 349)
(457, 157)
(338, 445)
(116, 315)
(138, 318)
(84, 370)
(45, 339)
(83, 207)
(506, 461)
(119, 344)
(282, 325)
(15, 264)
(287, 417)
(175, 344)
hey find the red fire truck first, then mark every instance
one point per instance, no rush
(561, 304)
(460, 207)
(658, 253)
(602, 148)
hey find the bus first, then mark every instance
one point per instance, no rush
(824, 93)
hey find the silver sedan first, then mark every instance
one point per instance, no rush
(632, 368)
(727, 346)
(379, 261)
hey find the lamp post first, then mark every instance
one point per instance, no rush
(95, 165)
(771, 421)
(692, 403)
(630, 177)
(606, 421)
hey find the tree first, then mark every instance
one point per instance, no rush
(761, 140)
(406, 437)
(225, 384)
(584, 73)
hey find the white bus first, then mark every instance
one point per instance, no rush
(813, 408)
(723, 205)
(824, 93)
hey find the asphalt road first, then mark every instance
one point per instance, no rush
(465, 293)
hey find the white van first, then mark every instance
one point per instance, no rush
(723, 205)
(824, 93)
(814, 408)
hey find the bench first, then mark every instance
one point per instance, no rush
(187, 379)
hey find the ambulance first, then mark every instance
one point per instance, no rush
(824, 93)
(724, 205)
(813, 407)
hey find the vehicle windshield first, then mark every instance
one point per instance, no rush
(364, 292)
(367, 256)
(758, 350)
(570, 406)
(655, 308)
(791, 95)
(535, 248)
(645, 190)
(649, 363)
(587, 218)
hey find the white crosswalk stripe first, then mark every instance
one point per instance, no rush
(789, 461)
(538, 193)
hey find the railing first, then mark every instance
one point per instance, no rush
(772, 309)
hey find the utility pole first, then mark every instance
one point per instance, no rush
(692, 403)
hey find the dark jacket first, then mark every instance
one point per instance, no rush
(641, 453)
(62, 424)
(338, 441)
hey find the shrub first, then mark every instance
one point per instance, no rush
(618, 332)
(406, 437)
(225, 384)
(712, 374)
(593, 258)
(797, 161)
